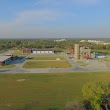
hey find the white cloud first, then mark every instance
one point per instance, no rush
(30, 17)
(87, 1)
(61, 2)
(31, 21)
(49, 2)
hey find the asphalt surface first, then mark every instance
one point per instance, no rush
(91, 66)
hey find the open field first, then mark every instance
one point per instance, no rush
(43, 91)
(47, 64)
(107, 52)
(81, 63)
(6, 66)
(19, 52)
(48, 58)
(2, 51)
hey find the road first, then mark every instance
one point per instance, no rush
(91, 67)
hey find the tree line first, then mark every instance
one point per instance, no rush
(68, 44)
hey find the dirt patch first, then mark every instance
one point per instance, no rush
(20, 80)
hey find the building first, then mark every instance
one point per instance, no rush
(60, 40)
(71, 51)
(5, 60)
(85, 52)
(81, 52)
(38, 51)
(96, 41)
(42, 51)
(99, 56)
(83, 41)
(27, 50)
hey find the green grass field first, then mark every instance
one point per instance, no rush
(47, 64)
(107, 52)
(19, 52)
(81, 63)
(43, 91)
(6, 66)
(48, 58)
(2, 51)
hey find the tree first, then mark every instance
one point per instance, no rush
(98, 94)
(75, 106)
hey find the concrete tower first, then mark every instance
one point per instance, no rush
(77, 51)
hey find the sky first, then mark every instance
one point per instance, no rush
(54, 18)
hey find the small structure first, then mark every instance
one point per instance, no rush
(27, 50)
(71, 51)
(99, 56)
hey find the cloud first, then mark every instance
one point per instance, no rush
(50, 2)
(31, 21)
(62, 2)
(86, 1)
(31, 17)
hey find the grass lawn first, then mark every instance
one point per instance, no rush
(47, 64)
(107, 52)
(19, 52)
(81, 63)
(2, 51)
(48, 58)
(6, 66)
(43, 91)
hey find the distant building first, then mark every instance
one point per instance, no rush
(83, 41)
(71, 51)
(96, 41)
(60, 40)
(82, 52)
(27, 50)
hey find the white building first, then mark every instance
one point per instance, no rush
(42, 51)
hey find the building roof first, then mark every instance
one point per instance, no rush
(43, 49)
(3, 58)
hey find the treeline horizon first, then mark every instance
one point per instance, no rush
(68, 44)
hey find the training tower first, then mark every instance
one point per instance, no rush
(77, 51)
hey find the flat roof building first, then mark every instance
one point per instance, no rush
(39, 51)
(4, 59)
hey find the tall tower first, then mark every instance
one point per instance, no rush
(76, 51)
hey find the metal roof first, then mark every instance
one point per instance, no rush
(3, 58)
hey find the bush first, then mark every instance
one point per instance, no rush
(75, 106)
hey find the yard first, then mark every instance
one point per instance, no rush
(106, 52)
(43, 91)
(48, 58)
(2, 51)
(6, 66)
(47, 64)
(80, 63)
(19, 52)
